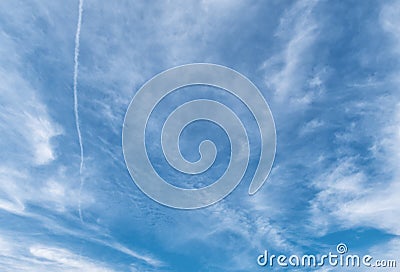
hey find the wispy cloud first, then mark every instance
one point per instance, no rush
(64, 260)
(357, 194)
(24, 121)
(33, 256)
(150, 260)
(390, 19)
(76, 103)
(286, 72)
(311, 126)
(320, 170)
(350, 197)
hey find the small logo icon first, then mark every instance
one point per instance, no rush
(341, 248)
(155, 90)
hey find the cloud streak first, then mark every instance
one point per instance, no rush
(76, 104)
(286, 72)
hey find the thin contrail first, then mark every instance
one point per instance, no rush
(76, 111)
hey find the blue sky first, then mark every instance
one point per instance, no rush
(329, 70)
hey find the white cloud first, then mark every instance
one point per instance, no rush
(240, 230)
(64, 260)
(19, 189)
(286, 72)
(9, 201)
(25, 125)
(32, 256)
(390, 20)
(311, 126)
(338, 186)
(379, 207)
(29, 132)
(350, 196)
(154, 262)
(163, 35)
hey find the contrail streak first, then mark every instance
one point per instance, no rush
(76, 111)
